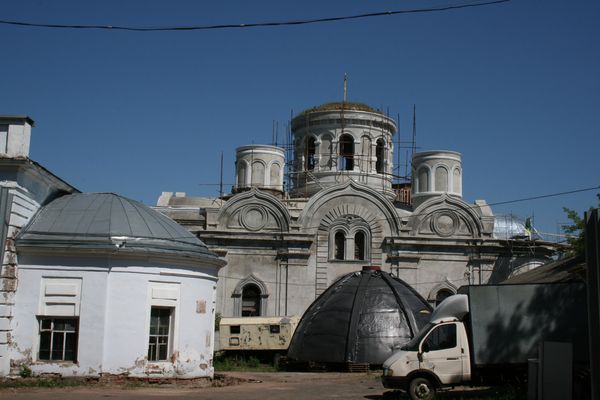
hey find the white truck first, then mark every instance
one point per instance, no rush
(485, 335)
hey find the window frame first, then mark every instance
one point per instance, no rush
(257, 300)
(169, 335)
(41, 330)
(436, 330)
(346, 154)
(339, 246)
(310, 149)
(349, 227)
(363, 248)
(380, 156)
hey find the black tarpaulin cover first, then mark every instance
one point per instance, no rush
(362, 318)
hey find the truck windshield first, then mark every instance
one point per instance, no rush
(413, 345)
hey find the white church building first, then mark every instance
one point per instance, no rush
(287, 240)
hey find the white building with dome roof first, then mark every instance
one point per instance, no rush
(95, 283)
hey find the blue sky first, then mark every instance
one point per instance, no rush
(514, 87)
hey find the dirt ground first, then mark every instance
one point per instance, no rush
(247, 386)
(254, 386)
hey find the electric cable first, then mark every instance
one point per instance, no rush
(250, 25)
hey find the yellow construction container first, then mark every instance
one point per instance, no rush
(257, 333)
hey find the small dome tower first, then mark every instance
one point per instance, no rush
(436, 172)
(259, 166)
(336, 142)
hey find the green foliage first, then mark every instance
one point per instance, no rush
(576, 231)
(25, 371)
(241, 363)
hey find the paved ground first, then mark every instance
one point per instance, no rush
(260, 386)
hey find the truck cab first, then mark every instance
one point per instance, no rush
(437, 356)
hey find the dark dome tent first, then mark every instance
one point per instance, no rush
(362, 318)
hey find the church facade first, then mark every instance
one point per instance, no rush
(341, 210)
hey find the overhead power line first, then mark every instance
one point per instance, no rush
(254, 24)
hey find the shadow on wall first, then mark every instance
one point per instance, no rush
(555, 312)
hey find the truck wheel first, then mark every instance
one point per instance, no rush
(421, 388)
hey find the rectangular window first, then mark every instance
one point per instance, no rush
(160, 333)
(274, 329)
(58, 339)
(235, 329)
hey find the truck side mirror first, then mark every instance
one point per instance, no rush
(420, 356)
(425, 347)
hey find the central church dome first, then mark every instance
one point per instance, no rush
(337, 142)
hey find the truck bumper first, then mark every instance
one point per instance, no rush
(394, 382)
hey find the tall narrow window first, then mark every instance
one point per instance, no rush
(359, 246)
(275, 176)
(441, 179)
(423, 180)
(456, 181)
(380, 154)
(58, 339)
(346, 153)
(250, 301)
(241, 175)
(309, 161)
(160, 333)
(258, 173)
(340, 245)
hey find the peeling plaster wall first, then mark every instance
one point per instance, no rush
(130, 297)
(115, 301)
(92, 314)
(19, 206)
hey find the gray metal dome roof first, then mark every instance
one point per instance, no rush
(362, 318)
(108, 221)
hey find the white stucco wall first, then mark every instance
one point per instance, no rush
(114, 314)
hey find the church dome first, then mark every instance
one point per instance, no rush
(362, 318)
(106, 221)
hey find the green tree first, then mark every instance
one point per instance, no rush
(576, 231)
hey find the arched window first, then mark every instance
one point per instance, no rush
(340, 245)
(250, 301)
(359, 245)
(309, 160)
(456, 181)
(346, 153)
(241, 174)
(258, 173)
(423, 180)
(441, 179)
(441, 295)
(275, 176)
(380, 154)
